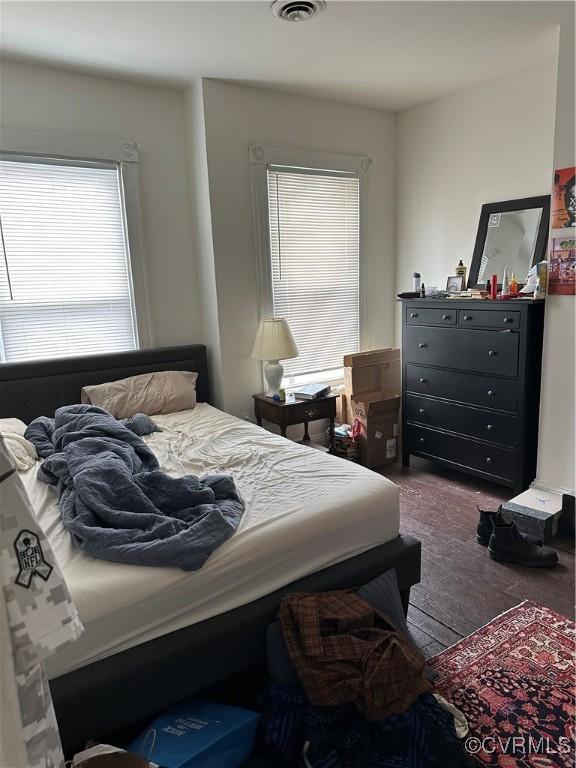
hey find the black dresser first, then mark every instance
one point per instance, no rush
(471, 385)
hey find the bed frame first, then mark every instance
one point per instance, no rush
(122, 689)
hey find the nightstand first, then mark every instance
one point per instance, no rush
(296, 412)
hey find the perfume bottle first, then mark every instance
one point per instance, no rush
(505, 284)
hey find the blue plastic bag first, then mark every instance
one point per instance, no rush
(200, 734)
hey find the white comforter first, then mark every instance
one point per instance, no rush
(305, 510)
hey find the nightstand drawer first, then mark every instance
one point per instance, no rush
(296, 412)
(490, 352)
(310, 411)
(426, 316)
(474, 422)
(489, 318)
(463, 452)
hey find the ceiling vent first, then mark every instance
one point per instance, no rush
(297, 10)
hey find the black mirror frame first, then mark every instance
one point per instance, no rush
(510, 205)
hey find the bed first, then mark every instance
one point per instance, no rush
(156, 635)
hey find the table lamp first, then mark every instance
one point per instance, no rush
(274, 342)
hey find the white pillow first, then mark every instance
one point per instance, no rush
(149, 393)
(21, 451)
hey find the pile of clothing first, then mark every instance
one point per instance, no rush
(349, 690)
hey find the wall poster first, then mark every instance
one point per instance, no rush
(564, 198)
(562, 265)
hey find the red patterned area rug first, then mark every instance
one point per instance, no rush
(514, 679)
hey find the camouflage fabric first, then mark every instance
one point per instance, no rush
(38, 618)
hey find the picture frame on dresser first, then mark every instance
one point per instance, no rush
(471, 386)
(455, 284)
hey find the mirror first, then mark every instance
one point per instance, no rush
(512, 233)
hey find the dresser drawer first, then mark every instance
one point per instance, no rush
(474, 422)
(489, 318)
(468, 388)
(428, 316)
(490, 352)
(490, 459)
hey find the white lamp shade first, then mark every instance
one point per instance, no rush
(274, 341)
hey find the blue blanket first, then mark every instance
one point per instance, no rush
(118, 505)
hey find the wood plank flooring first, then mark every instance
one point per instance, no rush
(462, 588)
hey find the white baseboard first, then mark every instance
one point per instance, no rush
(540, 485)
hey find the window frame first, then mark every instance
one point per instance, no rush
(74, 149)
(261, 158)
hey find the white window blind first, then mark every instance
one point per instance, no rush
(65, 283)
(314, 248)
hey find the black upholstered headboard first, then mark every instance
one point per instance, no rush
(37, 388)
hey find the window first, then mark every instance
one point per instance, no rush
(65, 279)
(313, 224)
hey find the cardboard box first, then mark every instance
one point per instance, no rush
(200, 734)
(370, 372)
(379, 417)
(536, 512)
(376, 371)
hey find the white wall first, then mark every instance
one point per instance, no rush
(203, 241)
(236, 116)
(488, 143)
(42, 99)
(556, 443)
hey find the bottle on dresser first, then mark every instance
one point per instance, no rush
(461, 270)
(506, 284)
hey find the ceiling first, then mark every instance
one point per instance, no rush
(389, 55)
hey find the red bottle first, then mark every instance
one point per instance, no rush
(494, 292)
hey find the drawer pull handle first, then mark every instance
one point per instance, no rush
(489, 427)
(491, 393)
(488, 460)
(467, 317)
(311, 413)
(422, 345)
(421, 440)
(421, 410)
(423, 381)
(507, 319)
(413, 314)
(445, 317)
(492, 353)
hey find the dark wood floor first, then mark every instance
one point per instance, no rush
(462, 588)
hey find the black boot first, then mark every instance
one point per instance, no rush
(486, 527)
(508, 545)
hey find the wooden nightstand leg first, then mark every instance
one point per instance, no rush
(283, 431)
(306, 437)
(258, 421)
(331, 436)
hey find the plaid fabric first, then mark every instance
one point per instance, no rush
(346, 652)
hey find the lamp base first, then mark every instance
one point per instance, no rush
(273, 371)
